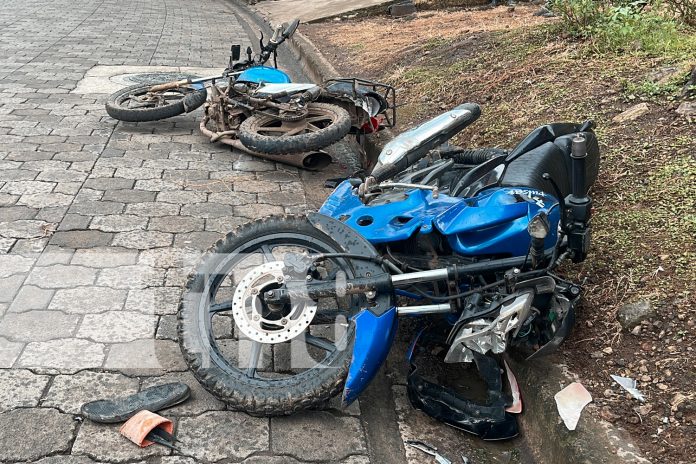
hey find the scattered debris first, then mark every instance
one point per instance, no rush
(570, 402)
(431, 450)
(630, 386)
(632, 314)
(110, 411)
(516, 406)
(633, 113)
(147, 428)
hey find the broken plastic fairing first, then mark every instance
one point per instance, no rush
(486, 334)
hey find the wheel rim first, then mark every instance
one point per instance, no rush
(143, 99)
(314, 347)
(317, 119)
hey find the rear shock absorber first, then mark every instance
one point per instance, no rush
(578, 203)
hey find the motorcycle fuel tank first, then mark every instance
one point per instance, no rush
(263, 74)
(494, 222)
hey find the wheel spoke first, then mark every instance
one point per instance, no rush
(317, 119)
(294, 131)
(273, 129)
(220, 307)
(320, 342)
(312, 128)
(268, 253)
(254, 356)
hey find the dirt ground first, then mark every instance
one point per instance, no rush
(523, 75)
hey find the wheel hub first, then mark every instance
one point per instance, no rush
(263, 323)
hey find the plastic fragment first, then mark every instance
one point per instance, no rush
(516, 406)
(630, 386)
(570, 402)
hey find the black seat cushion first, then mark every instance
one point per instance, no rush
(527, 169)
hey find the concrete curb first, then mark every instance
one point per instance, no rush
(594, 440)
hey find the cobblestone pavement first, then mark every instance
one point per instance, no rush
(99, 224)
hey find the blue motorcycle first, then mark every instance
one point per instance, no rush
(286, 312)
(257, 109)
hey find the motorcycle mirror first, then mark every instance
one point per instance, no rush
(291, 28)
(235, 52)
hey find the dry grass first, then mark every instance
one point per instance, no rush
(644, 246)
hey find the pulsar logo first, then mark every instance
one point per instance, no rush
(536, 196)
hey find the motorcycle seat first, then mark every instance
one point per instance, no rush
(547, 149)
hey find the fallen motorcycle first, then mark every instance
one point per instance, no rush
(465, 241)
(257, 109)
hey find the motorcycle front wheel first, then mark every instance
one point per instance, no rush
(267, 358)
(324, 125)
(138, 104)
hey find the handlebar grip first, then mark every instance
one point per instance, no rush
(385, 171)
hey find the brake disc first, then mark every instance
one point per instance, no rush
(251, 313)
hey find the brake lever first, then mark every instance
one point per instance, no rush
(428, 449)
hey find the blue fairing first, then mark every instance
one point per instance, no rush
(264, 75)
(494, 222)
(373, 338)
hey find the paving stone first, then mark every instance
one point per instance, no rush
(20, 187)
(96, 208)
(169, 257)
(74, 222)
(6, 244)
(88, 300)
(62, 175)
(197, 240)
(207, 210)
(54, 255)
(105, 443)
(14, 264)
(30, 246)
(66, 354)
(176, 224)
(116, 327)
(200, 401)
(52, 214)
(20, 388)
(258, 210)
(109, 183)
(9, 286)
(9, 352)
(61, 276)
(181, 197)
(146, 357)
(332, 437)
(81, 238)
(26, 228)
(233, 198)
(7, 199)
(15, 213)
(142, 239)
(104, 257)
(34, 326)
(129, 196)
(118, 223)
(135, 276)
(63, 459)
(44, 200)
(152, 209)
(160, 301)
(69, 392)
(253, 165)
(30, 298)
(224, 224)
(223, 435)
(57, 433)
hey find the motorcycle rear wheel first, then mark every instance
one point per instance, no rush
(324, 125)
(252, 387)
(136, 104)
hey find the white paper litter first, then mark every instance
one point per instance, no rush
(630, 386)
(570, 402)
